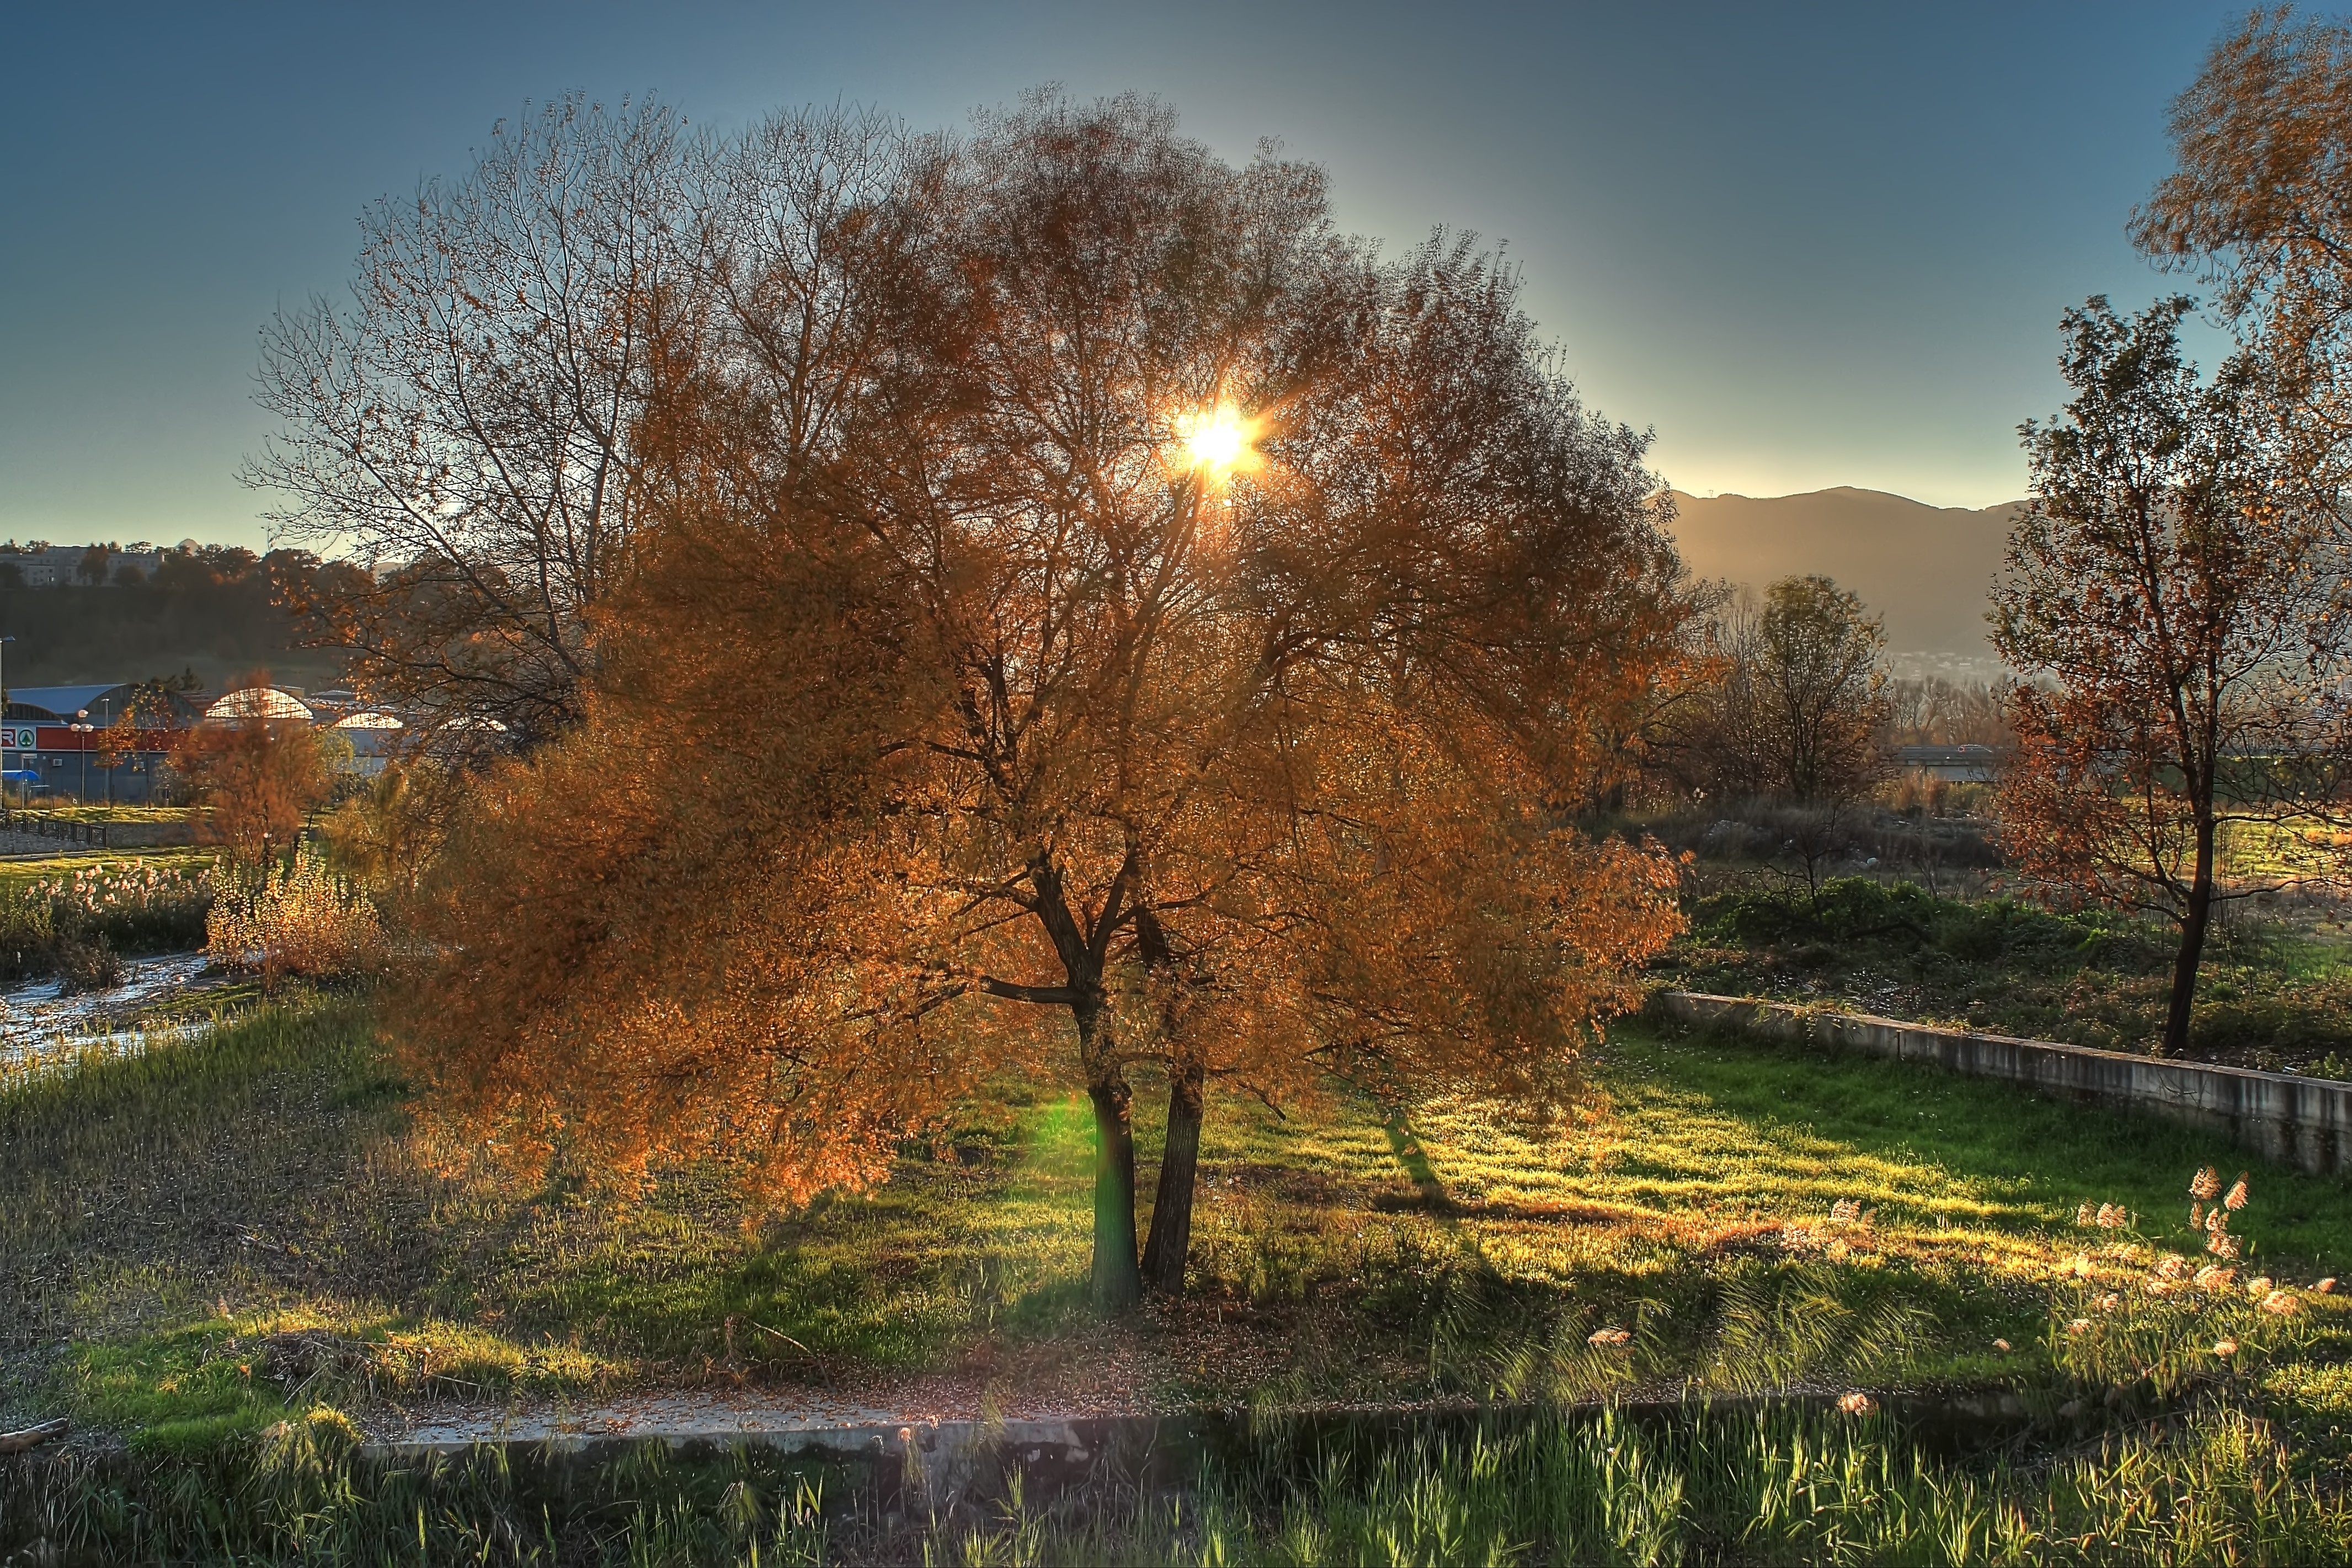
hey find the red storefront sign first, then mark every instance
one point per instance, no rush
(65, 738)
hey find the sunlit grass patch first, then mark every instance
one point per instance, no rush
(193, 1383)
(985, 1235)
(1710, 1189)
(169, 1390)
(101, 811)
(15, 875)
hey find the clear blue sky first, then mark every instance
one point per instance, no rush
(1810, 244)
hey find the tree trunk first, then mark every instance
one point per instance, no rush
(32, 1438)
(1117, 1285)
(1170, 1247)
(2192, 946)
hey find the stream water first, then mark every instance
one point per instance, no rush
(44, 1019)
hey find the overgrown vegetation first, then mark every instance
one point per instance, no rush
(1790, 1485)
(294, 918)
(2273, 995)
(78, 920)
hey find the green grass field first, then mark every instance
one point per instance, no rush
(181, 1221)
(208, 1241)
(2272, 992)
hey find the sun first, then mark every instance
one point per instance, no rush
(1217, 441)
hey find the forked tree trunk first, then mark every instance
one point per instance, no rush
(1116, 1286)
(1170, 1247)
(2185, 963)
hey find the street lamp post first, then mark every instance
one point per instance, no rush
(81, 727)
(108, 704)
(8, 731)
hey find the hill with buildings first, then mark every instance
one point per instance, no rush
(95, 614)
(1927, 569)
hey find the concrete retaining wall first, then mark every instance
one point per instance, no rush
(2303, 1122)
(947, 1462)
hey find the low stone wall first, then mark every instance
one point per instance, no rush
(2303, 1122)
(946, 1460)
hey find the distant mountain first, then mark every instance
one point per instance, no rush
(1927, 569)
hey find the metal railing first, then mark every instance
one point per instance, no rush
(42, 824)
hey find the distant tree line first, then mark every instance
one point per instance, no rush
(214, 612)
(1931, 710)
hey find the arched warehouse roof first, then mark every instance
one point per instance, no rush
(258, 703)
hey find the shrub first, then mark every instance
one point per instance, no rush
(295, 919)
(87, 965)
(1848, 911)
(77, 926)
(132, 906)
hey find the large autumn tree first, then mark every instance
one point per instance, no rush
(2172, 603)
(1092, 614)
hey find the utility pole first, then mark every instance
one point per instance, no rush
(7, 730)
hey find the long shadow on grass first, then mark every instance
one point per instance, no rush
(2039, 1157)
(982, 1235)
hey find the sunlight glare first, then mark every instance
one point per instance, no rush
(1217, 441)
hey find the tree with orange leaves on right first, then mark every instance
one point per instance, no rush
(2175, 605)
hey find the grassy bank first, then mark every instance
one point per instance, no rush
(219, 1248)
(76, 918)
(1780, 1486)
(2270, 995)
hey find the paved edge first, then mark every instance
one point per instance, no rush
(1076, 1439)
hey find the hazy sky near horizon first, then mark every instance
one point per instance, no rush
(1810, 246)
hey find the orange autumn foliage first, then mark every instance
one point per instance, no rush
(2176, 603)
(955, 715)
(253, 783)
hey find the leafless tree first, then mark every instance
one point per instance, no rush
(465, 424)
